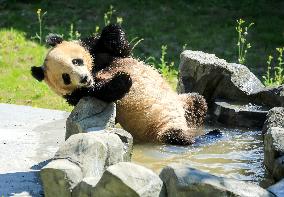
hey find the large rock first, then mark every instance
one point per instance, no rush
(183, 181)
(59, 177)
(275, 118)
(215, 78)
(277, 189)
(93, 152)
(90, 114)
(85, 155)
(273, 149)
(129, 180)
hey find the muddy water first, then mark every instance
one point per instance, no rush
(234, 154)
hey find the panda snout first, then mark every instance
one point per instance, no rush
(84, 79)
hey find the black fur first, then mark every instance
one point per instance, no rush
(66, 78)
(108, 91)
(37, 73)
(113, 40)
(53, 39)
(111, 44)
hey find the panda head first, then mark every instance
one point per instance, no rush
(67, 66)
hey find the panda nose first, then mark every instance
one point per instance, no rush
(84, 79)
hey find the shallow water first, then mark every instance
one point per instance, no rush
(234, 154)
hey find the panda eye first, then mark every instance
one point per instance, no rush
(66, 78)
(78, 62)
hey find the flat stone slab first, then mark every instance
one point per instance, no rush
(240, 114)
(28, 138)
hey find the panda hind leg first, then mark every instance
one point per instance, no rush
(195, 107)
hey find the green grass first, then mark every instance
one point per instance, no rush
(16, 83)
(207, 25)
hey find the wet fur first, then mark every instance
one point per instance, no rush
(151, 111)
(147, 107)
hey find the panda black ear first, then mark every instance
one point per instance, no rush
(37, 73)
(53, 39)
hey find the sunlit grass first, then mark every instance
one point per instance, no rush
(16, 83)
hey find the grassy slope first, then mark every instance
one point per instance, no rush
(16, 84)
(203, 25)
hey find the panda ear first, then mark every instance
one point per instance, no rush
(53, 39)
(37, 73)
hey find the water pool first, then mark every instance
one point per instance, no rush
(236, 153)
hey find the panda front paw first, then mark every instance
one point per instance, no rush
(76, 95)
(122, 82)
(114, 88)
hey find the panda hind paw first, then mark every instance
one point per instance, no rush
(176, 137)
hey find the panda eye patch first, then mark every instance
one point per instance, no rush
(78, 62)
(66, 78)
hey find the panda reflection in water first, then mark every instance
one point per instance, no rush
(100, 66)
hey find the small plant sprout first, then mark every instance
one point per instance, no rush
(167, 69)
(119, 20)
(277, 77)
(97, 30)
(40, 17)
(108, 19)
(267, 78)
(73, 35)
(108, 16)
(242, 43)
(278, 73)
(184, 47)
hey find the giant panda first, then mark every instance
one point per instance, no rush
(68, 68)
(147, 107)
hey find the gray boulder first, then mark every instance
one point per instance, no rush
(59, 177)
(90, 114)
(215, 78)
(182, 181)
(277, 189)
(93, 151)
(82, 155)
(274, 118)
(273, 149)
(129, 180)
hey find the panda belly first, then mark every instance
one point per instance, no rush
(151, 107)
